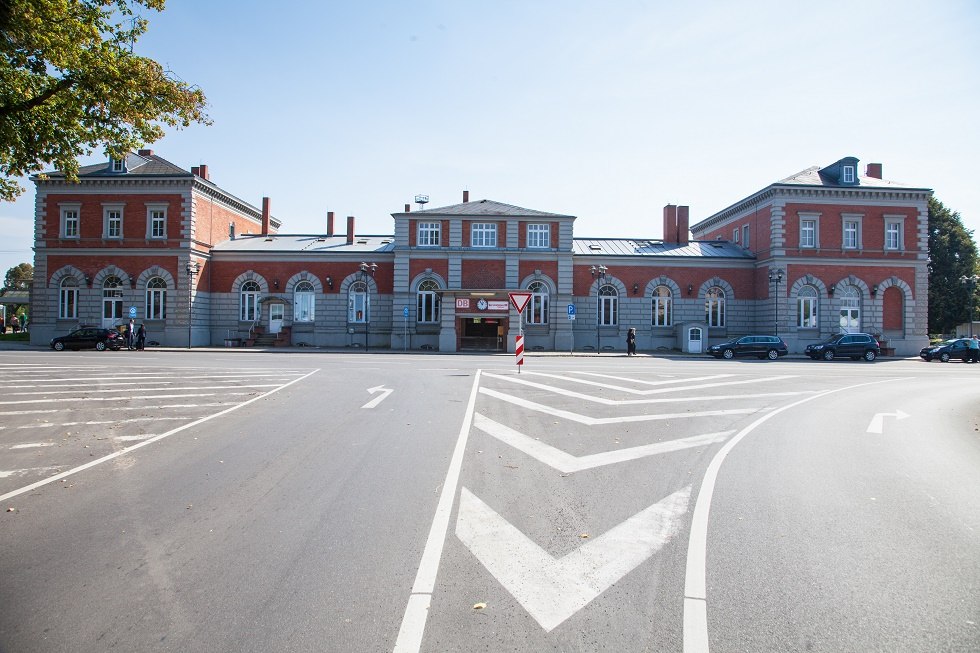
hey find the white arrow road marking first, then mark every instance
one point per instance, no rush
(624, 402)
(878, 421)
(377, 400)
(592, 421)
(553, 590)
(568, 464)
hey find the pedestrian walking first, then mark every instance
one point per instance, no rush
(140, 337)
(631, 342)
(131, 334)
(14, 324)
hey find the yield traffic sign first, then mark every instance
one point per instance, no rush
(520, 300)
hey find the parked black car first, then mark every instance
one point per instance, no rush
(771, 347)
(959, 349)
(88, 338)
(845, 345)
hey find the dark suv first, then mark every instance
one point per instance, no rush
(845, 345)
(771, 347)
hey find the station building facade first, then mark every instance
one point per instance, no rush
(825, 250)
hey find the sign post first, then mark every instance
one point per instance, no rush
(520, 301)
(405, 335)
(571, 318)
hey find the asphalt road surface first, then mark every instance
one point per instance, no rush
(304, 501)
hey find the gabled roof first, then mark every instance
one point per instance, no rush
(640, 247)
(136, 166)
(487, 208)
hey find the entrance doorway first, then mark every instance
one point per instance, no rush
(481, 334)
(112, 303)
(275, 317)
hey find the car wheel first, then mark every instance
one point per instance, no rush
(870, 356)
(944, 357)
(728, 354)
(100, 346)
(772, 354)
(928, 358)
(828, 355)
(59, 346)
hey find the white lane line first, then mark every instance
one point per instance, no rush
(137, 376)
(24, 472)
(417, 610)
(695, 582)
(569, 464)
(33, 445)
(131, 438)
(641, 382)
(149, 397)
(104, 409)
(101, 422)
(144, 443)
(101, 388)
(578, 395)
(573, 379)
(592, 421)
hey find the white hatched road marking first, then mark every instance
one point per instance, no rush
(116, 398)
(672, 381)
(568, 464)
(101, 388)
(46, 425)
(32, 471)
(550, 589)
(33, 445)
(592, 421)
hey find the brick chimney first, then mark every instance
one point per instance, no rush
(196, 171)
(408, 208)
(204, 172)
(683, 225)
(266, 216)
(350, 230)
(466, 196)
(670, 223)
(329, 223)
(145, 152)
(873, 170)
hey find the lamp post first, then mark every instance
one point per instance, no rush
(971, 282)
(599, 274)
(364, 270)
(775, 276)
(192, 269)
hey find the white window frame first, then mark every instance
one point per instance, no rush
(428, 302)
(429, 234)
(663, 307)
(714, 307)
(483, 234)
(249, 301)
(847, 230)
(358, 303)
(156, 299)
(745, 236)
(112, 221)
(538, 236)
(894, 233)
(117, 165)
(71, 221)
(304, 302)
(68, 299)
(848, 175)
(806, 307)
(735, 233)
(537, 309)
(156, 214)
(607, 306)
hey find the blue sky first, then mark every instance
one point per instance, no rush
(607, 111)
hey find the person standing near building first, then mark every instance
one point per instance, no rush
(14, 324)
(140, 337)
(631, 342)
(131, 334)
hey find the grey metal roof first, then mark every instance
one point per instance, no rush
(487, 208)
(136, 165)
(812, 177)
(637, 247)
(297, 243)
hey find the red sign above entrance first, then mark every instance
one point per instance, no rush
(520, 300)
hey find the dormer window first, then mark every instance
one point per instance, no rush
(117, 165)
(847, 175)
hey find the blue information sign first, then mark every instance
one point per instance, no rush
(405, 312)
(132, 311)
(571, 310)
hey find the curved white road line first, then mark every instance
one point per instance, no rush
(695, 594)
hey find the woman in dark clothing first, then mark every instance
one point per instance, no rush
(631, 342)
(140, 337)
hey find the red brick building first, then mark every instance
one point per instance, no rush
(824, 250)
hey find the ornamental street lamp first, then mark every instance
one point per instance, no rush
(599, 274)
(775, 276)
(971, 282)
(364, 270)
(192, 269)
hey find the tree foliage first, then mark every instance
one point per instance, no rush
(952, 256)
(70, 83)
(18, 277)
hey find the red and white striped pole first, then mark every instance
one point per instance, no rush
(519, 352)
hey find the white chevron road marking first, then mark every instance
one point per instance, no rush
(669, 382)
(568, 464)
(550, 589)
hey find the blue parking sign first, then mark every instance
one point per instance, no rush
(571, 310)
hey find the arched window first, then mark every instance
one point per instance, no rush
(608, 307)
(112, 301)
(304, 302)
(714, 307)
(662, 306)
(537, 309)
(806, 308)
(156, 299)
(68, 299)
(427, 302)
(358, 303)
(112, 287)
(850, 309)
(250, 301)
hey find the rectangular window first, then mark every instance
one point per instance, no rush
(157, 222)
(68, 303)
(539, 235)
(429, 234)
(847, 175)
(483, 234)
(745, 236)
(850, 234)
(69, 221)
(893, 235)
(113, 223)
(808, 233)
(118, 165)
(806, 313)
(735, 235)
